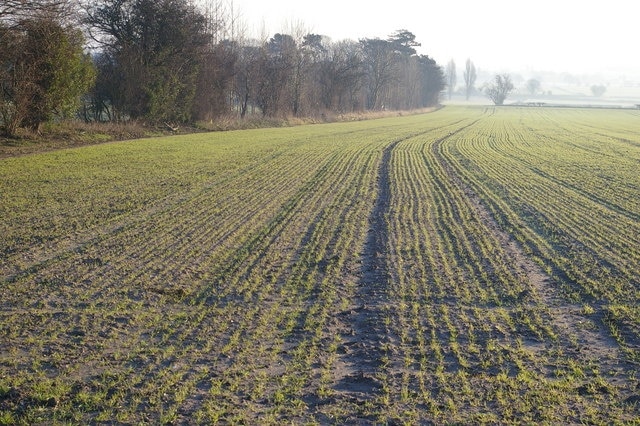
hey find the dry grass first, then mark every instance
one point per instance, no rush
(71, 134)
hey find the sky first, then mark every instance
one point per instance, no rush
(541, 35)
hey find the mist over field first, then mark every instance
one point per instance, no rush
(574, 40)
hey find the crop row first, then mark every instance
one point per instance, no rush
(214, 298)
(467, 266)
(476, 337)
(569, 194)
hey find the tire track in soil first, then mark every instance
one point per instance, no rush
(363, 344)
(583, 339)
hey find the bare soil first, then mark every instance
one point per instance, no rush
(364, 341)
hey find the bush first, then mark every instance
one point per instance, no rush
(46, 74)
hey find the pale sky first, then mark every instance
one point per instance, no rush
(544, 35)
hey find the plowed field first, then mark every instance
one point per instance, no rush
(471, 265)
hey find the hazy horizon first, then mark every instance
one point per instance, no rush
(569, 36)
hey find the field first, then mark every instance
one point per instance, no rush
(472, 265)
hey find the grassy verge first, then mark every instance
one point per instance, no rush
(72, 134)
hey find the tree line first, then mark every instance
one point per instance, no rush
(178, 61)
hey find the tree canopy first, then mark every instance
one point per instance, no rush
(173, 61)
(499, 89)
(45, 73)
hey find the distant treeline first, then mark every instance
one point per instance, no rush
(176, 61)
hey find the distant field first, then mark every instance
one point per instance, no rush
(472, 265)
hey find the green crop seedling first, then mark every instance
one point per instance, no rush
(468, 266)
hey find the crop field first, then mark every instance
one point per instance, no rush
(474, 265)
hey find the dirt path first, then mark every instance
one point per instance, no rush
(362, 348)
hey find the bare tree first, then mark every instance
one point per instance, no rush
(276, 67)
(499, 89)
(533, 86)
(451, 77)
(215, 81)
(12, 12)
(245, 76)
(381, 67)
(314, 53)
(470, 76)
(340, 76)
